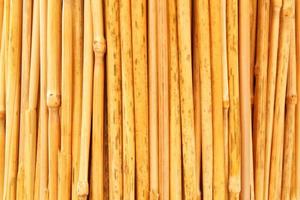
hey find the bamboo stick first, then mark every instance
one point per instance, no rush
(97, 162)
(1, 18)
(38, 157)
(289, 129)
(12, 99)
(278, 127)
(217, 100)
(175, 129)
(139, 47)
(234, 178)
(114, 104)
(253, 27)
(272, 68)
(153, 98)
(43, 102)
(77, 26)
(186, 102)
(245, 91)
(127, 102)
(65, 154)
(31, 115)
(260, 95)
(53, 91)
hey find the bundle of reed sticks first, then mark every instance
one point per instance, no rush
(149, 99)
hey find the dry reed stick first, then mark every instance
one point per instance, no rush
(65, 154)
(175, 128)
(186, 102)
(253, 23)
(245, 91)
(38, 157)
(234, 140)
(12, 98)
(281, 82)
(260, 95)
(139, 47)
(97, 161)
(1, 19)
(127, 102)
(289, 129)
(297, 133)
(217, 100)
(31, 115)
(77, 26)
(114, 103)
(53, 90)
(153, 98)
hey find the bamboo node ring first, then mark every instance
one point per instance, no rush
(291, 100)
(53, 100)
(83, 188)
(100, 46)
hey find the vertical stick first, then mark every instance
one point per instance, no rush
(278, 127)
(2, 2)
(153, 97)
(139, 47)
(253, 26)
(38, 157)
(186, 102)
(114, 102)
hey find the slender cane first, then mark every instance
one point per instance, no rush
(1, 18)
(186, 102)
(289, 129)
(253, 26)
(281, 82)
(37, 177)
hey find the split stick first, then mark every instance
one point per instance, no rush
(38, 157)
(281, 82)
(139, 49)
(127, 102)
(186, 102)
(77, 26)
(153, 97)
(31, 115)
(175, 122)
(289, 129)
(114, 102)
(13, 98)
(53, 90)
(65, 154)
(97, 163)
(253, 32)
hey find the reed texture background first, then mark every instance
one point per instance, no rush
(149, 99)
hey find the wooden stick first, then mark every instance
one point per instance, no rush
(43, 102)
(97, 162)
(278, 127)
(31, 115)
(153, 98)
(139, 47)
(1, 19)
(38, 157)
(65, 154)
(253, 32)
(12, 99)
(53, 90)
(186, 102)
(77, 26)
(114, 104)
(175, 128)
(289, 129)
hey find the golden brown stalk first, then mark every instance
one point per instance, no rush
(153, 98)
(289, 129)
(38, 158)
(278, 127)
(245, 88)
(97, 163)
(234, 179)
(186, 102)
(53, 90)
(43, 102)
(127, 102)
(114, 103)
(139, 47)
(87, 99)
(253, 23)
(260, 96)
(12, 99)
(217, 100)
(272, 69)
(77, 26)
(175, 128)
(202, 20)
(31, 115)
(297, 139)
(65, 154)
(1, 18)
